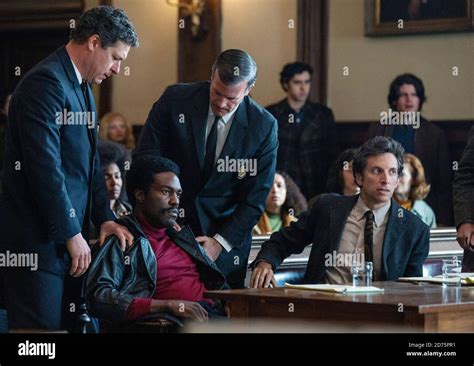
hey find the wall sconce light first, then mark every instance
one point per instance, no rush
(194, 9)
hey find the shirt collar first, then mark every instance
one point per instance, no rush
(78, 74)
(361, 208)
(225, 118)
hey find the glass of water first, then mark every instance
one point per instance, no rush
(451, 272)
(362, 273)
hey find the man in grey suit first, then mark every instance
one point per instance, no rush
(225, 145)
(369, 226)
(463, 191)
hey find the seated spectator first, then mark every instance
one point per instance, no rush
(340, 178)
(165, 270)
(112, 160)
(115, 127)
(284, 204)
(413, 189)
(345, 228)
(422, 138)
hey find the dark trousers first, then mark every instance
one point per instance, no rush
(47, 298)
(33, 299)
(42, 299)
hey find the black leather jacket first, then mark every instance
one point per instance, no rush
(115, 278)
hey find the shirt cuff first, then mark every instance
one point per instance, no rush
(224, 243)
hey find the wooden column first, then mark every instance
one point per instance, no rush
(197, 52)
(312, 43)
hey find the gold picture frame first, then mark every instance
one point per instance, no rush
(400, 17)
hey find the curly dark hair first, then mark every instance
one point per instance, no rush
(112, 153)
(335, 182)
(376, 146)
(291, 69)
(109, 23)
(294, 198)
(143, 170)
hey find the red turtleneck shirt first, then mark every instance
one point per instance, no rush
(177, 277)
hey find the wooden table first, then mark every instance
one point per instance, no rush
(419, 307)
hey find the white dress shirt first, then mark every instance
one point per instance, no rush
(223, 128)
(78, 74)
(352, 241)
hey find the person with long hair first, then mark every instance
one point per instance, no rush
(340, 178)
(115, 127)
(413, 189)
(113, 157)
(284, 204)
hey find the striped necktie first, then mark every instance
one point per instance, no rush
(369, 236)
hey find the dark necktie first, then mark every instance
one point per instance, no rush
(211, 146)
(369, 236)
(87, 215)
(85, 92)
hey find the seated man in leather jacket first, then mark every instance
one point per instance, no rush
(165, 272)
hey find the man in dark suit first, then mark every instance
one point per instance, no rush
(423, 139)
(225, 145)
(371, 226)
(463, 192)
(53, 184)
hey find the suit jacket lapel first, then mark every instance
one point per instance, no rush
(392, 232)
(71, 75)
(199, 122)
(337, 219)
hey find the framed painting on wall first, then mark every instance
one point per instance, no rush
(398, 17)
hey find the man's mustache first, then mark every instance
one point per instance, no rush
(171, 210)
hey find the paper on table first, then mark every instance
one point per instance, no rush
(343, 289)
